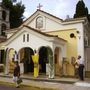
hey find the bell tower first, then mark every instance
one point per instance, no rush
(4, 20)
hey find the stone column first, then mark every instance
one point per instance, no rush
(47, 69)
(51, 66)
(21, 68)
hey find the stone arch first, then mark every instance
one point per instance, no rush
(25, 59)
(11, 59)
(42, 59)
(47, 60)
(58, 61)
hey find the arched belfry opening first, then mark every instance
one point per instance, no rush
(25, 55)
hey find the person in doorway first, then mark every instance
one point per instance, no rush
(16, 74)
(80, 63)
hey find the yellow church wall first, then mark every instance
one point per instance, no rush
(71, 46)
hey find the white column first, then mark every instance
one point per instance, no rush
(7, 63)
(21, 68)
(47, 69)
(51, 66)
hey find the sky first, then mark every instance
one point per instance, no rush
(59, 8)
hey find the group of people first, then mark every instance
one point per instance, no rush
(79, 66)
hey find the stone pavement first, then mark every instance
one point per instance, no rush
(58, 83)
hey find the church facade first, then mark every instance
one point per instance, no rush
(57, 42)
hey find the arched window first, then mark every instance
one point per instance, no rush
(39, 22)
(24, 38)
(3, 28)
(3, 15)
(27, 37)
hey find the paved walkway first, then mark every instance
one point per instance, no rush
(58, 83)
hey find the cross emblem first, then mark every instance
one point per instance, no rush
(39, 6)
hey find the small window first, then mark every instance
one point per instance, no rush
(27, 37)
(39, 22)
(24, 38)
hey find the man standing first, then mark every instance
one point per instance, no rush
(80, 62)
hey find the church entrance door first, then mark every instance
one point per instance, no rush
(43, 59)
(26, 58)
(46, 63)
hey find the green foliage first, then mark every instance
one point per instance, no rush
(7, 3)
(16, 12)
(81, 10)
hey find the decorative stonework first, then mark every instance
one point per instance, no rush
(39, 22)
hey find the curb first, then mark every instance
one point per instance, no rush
(37, 87)
(43, 80)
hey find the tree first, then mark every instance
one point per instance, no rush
(81, 10)
(16, 12)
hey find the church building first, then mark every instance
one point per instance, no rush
(57, 42)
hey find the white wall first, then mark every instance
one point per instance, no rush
(34, 42)
(52, 25)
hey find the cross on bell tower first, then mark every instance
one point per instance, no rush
(39, 6)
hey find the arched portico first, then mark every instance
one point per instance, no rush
(10, 58)
(47, 59)
(46, 63)
(58, 61)
(43, 59)
(25, 59)
(59, 54)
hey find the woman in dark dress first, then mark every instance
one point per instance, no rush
(16, 74)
